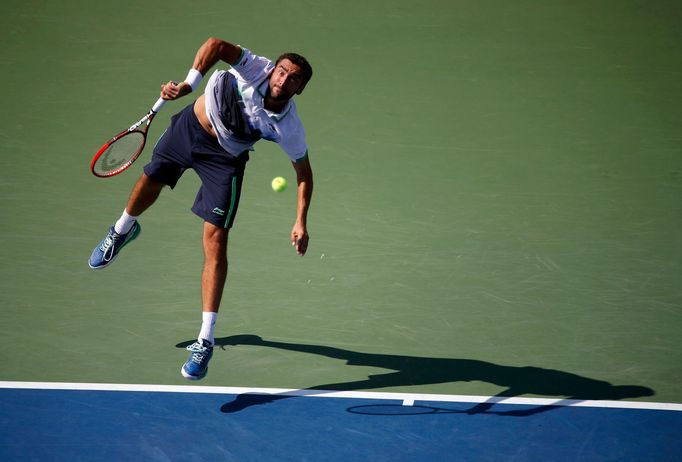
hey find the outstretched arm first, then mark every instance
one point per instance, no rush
(304, 178)
(212, 51)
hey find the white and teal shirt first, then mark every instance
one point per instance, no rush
(234, 105)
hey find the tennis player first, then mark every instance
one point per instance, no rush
(213, 136)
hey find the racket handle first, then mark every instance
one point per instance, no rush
(158, 105)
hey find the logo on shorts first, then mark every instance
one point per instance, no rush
(218, 211)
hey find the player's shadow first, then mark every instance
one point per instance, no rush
(415, 370)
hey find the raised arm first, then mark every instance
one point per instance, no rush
(304, 178)
(212, 51)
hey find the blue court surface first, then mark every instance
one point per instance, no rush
(60, 422)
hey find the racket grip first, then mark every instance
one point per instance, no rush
(158, 105)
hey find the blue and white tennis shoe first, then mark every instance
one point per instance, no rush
(197, 364)
(106, 251)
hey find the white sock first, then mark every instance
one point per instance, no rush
(208, 319)
(125, 223)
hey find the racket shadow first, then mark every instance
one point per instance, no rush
(414, 370)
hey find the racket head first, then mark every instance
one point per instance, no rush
(118, 154)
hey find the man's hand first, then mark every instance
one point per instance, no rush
(299, 239)
(304, 178)
(174, 90)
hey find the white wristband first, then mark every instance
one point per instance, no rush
(193, 78)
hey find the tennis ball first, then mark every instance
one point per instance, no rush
(279, 184)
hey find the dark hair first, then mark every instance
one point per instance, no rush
(301, 62)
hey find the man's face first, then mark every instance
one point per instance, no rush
(286, 81)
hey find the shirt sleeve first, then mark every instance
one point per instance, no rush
(252, 68)
(294, 144)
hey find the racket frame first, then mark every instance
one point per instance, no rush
(146, 120)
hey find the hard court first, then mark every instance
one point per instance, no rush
(495, 259)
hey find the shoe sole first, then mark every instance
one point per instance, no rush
(136, 233)
(192, 377)
(102, 266)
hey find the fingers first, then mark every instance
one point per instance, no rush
(173, 90)
(300, 243)
(168, 90)
(302, 246)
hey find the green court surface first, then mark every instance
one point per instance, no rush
(498, 187)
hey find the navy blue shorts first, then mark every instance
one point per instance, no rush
(185, 144)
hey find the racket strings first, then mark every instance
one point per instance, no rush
(119, 153)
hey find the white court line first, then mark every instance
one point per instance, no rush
(408, 399)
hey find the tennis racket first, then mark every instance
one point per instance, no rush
(122, 150)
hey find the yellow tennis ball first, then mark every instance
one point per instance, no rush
(279, 184)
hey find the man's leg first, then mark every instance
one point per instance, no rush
(144, 194)
(126, 229)
(212, 283)
(215, 267)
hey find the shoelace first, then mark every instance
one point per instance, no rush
(199, 351)
(107, 246)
